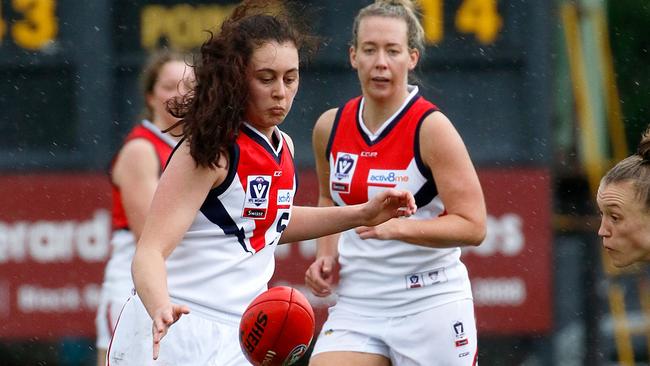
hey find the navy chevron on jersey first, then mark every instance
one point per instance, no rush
(407, 278)
(226, 258)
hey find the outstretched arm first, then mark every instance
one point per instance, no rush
(313, 222)
(180, 193)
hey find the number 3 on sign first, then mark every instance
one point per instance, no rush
(480, 17)
(37, 28)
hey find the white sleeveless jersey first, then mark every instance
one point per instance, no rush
(389, 277)
(226, 257)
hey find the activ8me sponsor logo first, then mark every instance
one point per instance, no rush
(382, 177)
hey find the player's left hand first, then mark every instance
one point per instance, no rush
(162, 320)
(388, 204)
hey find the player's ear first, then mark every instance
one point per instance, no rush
(149, 101)
(353, 56)
(414, 57)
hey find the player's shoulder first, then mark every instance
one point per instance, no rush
(436, 121)
(137, 149)
(325, 122)
(328, 116)
(289, 141)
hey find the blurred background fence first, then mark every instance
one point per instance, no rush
(546, 94)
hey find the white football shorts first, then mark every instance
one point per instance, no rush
(192, 340)
(108, 310)
(443, 335)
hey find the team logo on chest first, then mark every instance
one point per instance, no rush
(257, 196)
(343, 171)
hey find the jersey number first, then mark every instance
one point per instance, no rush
(282, 222)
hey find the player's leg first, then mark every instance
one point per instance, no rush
(348, 339)
(102, 327)
(444, 335)
(108, 311)
(101, 357)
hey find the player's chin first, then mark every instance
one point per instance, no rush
(619, 260)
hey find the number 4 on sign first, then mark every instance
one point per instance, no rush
(480, 17)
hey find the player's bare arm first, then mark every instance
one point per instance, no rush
(183, 186)
(137, 169)
(458, 187)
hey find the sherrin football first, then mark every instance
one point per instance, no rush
(277, 327)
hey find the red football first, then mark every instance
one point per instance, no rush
(277, 327)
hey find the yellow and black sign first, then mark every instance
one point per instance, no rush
(35, 26)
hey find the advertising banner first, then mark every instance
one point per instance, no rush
(54, 241)
(510, 271)
(55, 232)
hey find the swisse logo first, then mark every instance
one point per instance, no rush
(56, 241)
(255, 334)
(254, 213)
(295, 355)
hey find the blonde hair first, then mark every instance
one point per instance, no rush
(400, 9)
(636, 169)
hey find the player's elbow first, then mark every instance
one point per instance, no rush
(477, 233)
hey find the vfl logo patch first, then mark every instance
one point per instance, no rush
(257, 196)
(413, 281)
(459, 329)
(343, 172)
(428, 278)
(259, 190)
(344, 165)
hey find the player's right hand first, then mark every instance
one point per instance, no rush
(319, 277)
(162, 320)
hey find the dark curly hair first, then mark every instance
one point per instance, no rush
(211, 114)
